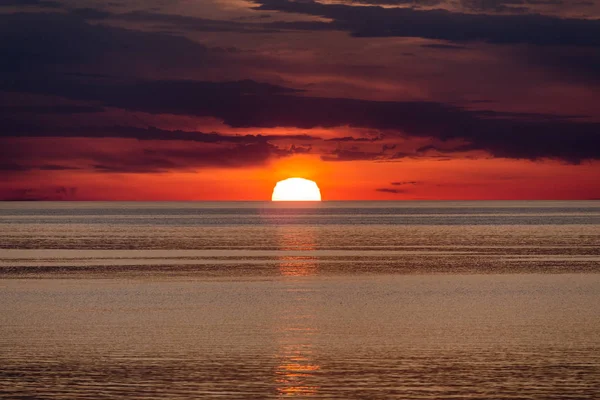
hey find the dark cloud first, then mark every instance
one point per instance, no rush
(397, 190)
(19, 128)
(36, 110)
(25, 154)
(30, 3)
(414, 3)
(21, 149)
(179, 22)
(441, 46)
(514, 6)
(388, 190)
(353, 154)
(449, 148)
(445, 25)
(395, 2)
(54, 167)
(14, 167)
(63, 43)
(162, 160)
(404, 183)
(580, 65)
(57, 193)
(375, 21)
(518, 6)
(186, 23)
(430, 147)
(296, 150)
(253, 105)
(354, 139)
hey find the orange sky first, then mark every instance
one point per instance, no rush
(364, 180)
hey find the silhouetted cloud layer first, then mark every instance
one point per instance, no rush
(252, 104)
(441, 24)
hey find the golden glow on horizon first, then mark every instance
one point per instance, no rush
(296, 189)
(455, 179)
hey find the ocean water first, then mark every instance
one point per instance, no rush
(408, 300)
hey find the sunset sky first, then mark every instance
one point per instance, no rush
(372, 99)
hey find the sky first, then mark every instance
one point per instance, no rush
(372, 99)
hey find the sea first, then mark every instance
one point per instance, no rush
(275, 300)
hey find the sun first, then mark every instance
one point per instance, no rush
(296, 189)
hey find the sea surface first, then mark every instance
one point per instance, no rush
(349, 300)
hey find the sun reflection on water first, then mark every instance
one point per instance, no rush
(297, 239)
(296, 370)
(296, 374)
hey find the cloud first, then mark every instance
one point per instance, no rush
(394, 2)
(441, 46)
(179, 22)
(440, 24)
(405, 183)
(62, 42)
(14, 167)
(36, 57)
(396, 190)
(190, 158)
(36, 110)
(513, 6)
(54, 167)
(293, 149)
(248, 104)
(20, 128)
(388, 190)
(354, 139)
(579, 65)
(521, 6)
(26, 154)
(353, 154)
(372, 20)
(56, 193)
(30, 3)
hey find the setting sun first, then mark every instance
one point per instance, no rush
(296, 189)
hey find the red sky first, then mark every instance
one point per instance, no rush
(220, 99)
